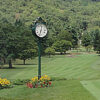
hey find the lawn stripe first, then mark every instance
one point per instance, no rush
(91, 86)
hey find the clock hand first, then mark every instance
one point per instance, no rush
(40, 31)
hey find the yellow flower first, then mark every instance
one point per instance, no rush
(4, 82)
(35, 79)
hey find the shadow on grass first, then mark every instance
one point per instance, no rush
(25, 64)
(12, 68)
(18, 67)
(2, 98)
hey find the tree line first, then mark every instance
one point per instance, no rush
(68, 22)
(17, 42)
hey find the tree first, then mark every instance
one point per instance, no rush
(96, 43)
(62, 46)
(75, 36)
(50, 51)
(1, 61)
(9, 40)
(87, 41)
(84, 25)
(27, 45)
(16, 42)
(64, 35)
(2, 46)
(26, 54)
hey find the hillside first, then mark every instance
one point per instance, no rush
(57, 13)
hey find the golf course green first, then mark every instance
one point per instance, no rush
(75, 77)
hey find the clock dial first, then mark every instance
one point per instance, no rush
(41, 30)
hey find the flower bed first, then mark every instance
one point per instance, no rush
(4, 83)
(44, 81)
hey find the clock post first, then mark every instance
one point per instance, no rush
(39, 30)
(39, 59)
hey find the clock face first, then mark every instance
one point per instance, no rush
(41, 30)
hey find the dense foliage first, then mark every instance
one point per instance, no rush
(16, 42)
(96, 42)
(57, 13)
(68, 22)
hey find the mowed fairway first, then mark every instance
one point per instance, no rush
(77, 69)
(84, 66)
(61, 90)
(93, 86)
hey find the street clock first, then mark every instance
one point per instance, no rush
(41, 30)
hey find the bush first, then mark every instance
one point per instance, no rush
(62, 46)
(20, 82)
(50, 51)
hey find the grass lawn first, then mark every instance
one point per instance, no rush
(61, 90)
(93, 86)
(70, 67)
(75, 68)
